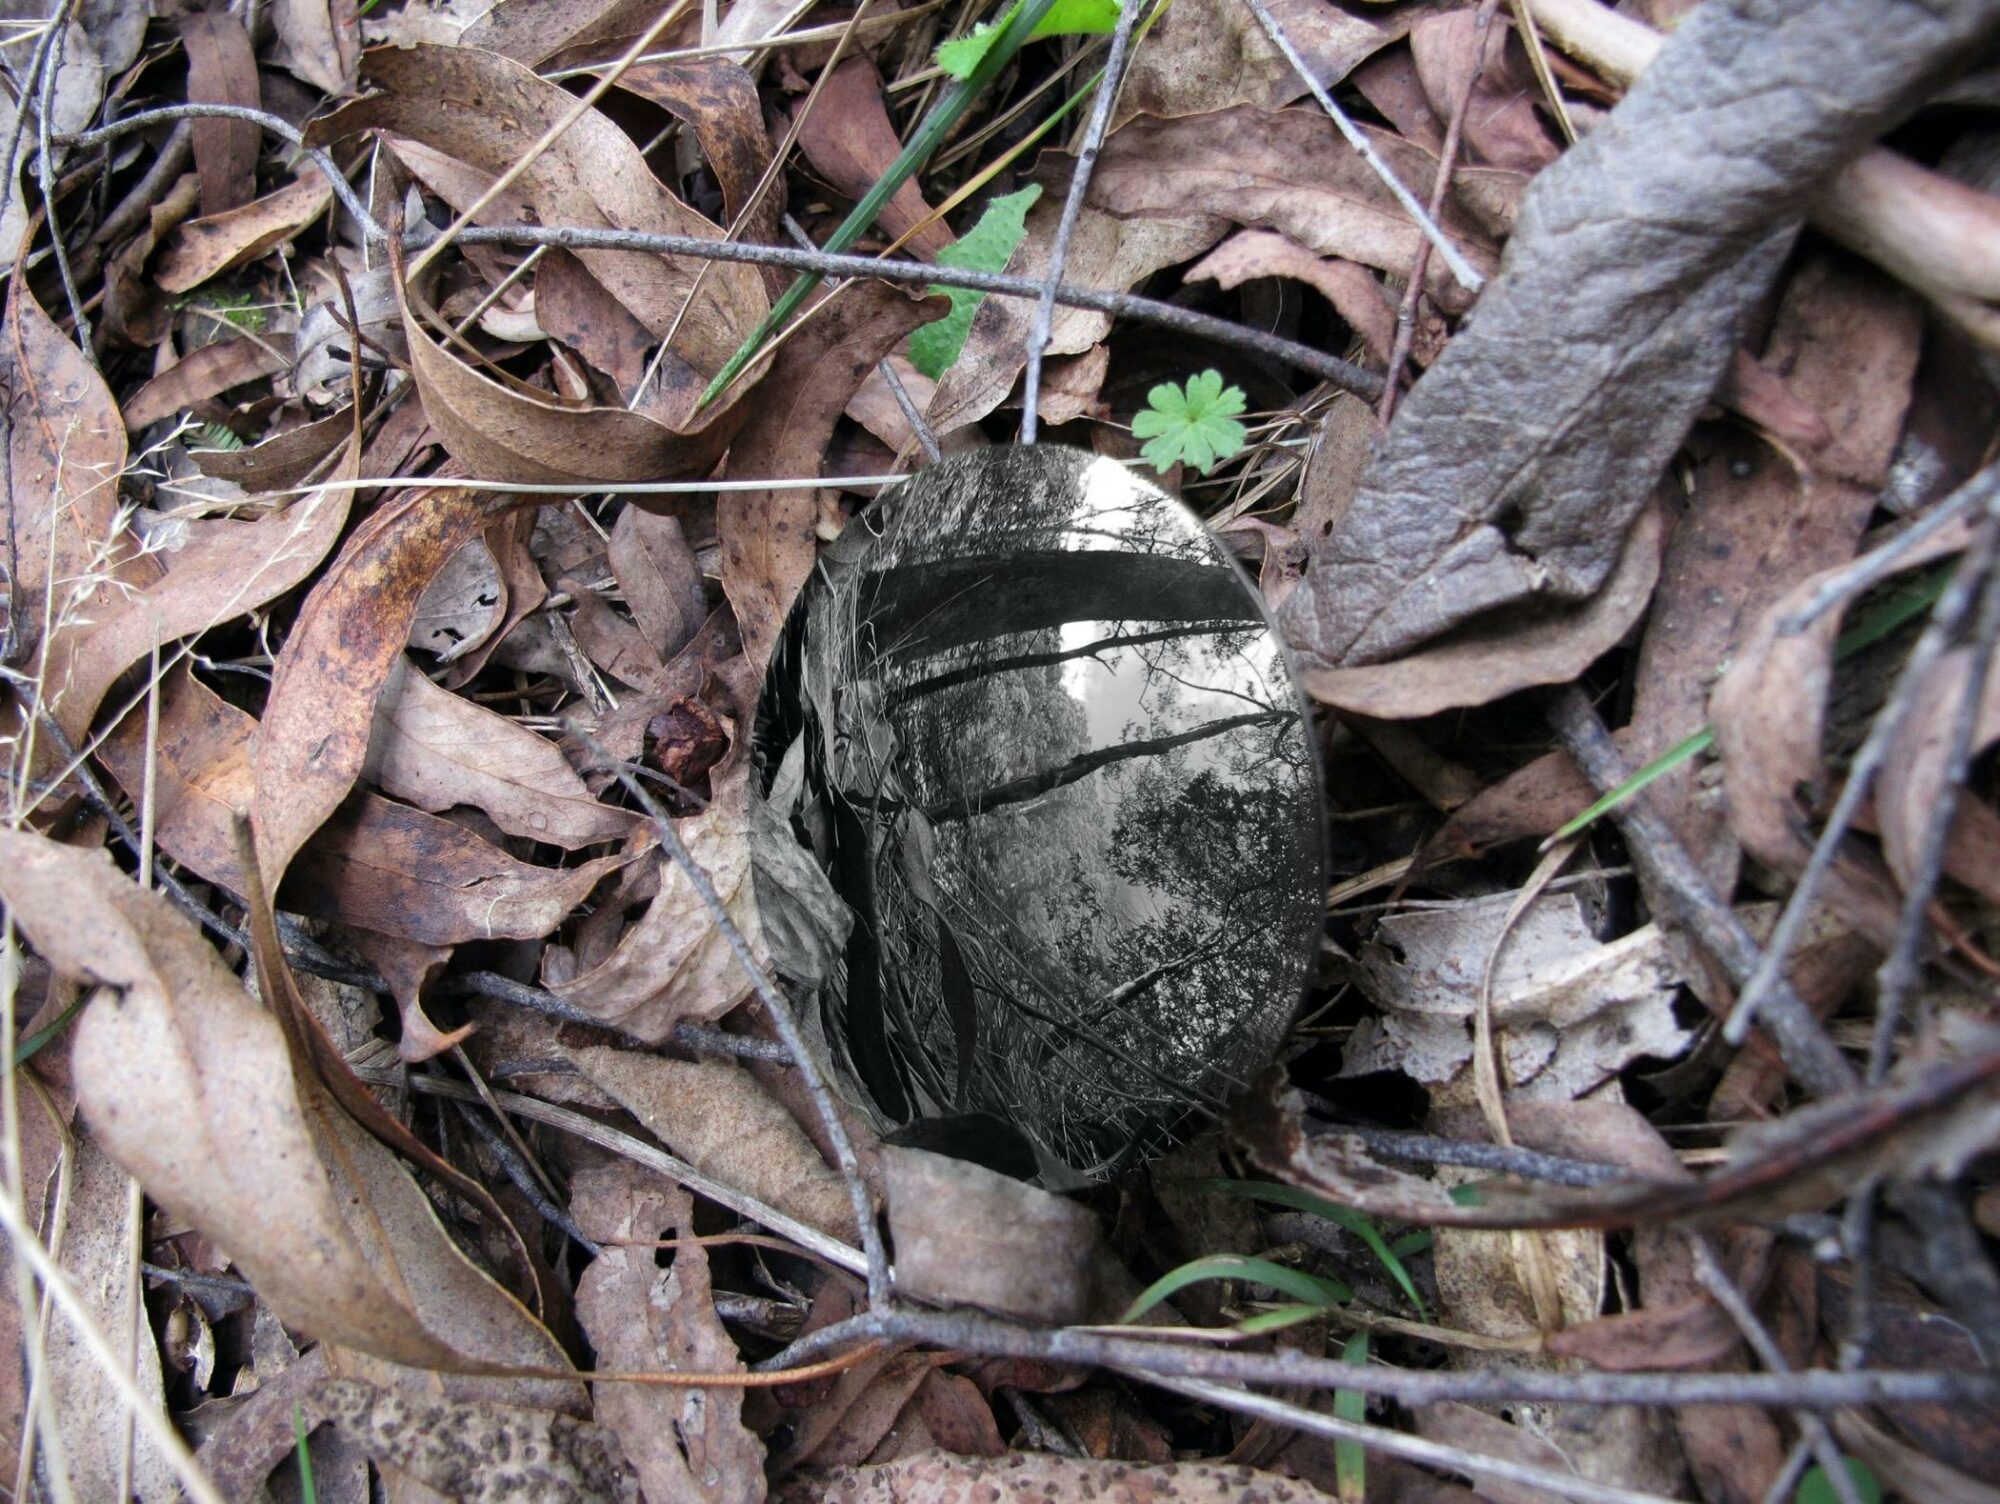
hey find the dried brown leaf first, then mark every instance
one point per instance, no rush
(967, 1234)
(1033, 1477)
(66, 452)
(683, 1443)
(180, 1043)
(320, 41)
(1211, 54)
(768, 540)
(437, 749)
(719, 99)
(659, 577)
(1502, 126)
(716, 1117)
(848, 138)
(1494, 657)
(1912, 778)
(217, 243)
(531, 30)
(482, 1453)
(222, 69)
(205, 373)
(224, 570)
(283, 460)
(1356, 296)
(462, 606)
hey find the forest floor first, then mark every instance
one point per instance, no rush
(421, 417)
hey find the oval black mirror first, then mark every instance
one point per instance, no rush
(1038, 733)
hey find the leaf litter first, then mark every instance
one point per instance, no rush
(341, 524)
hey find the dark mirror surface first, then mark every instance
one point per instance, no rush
(1038, 735)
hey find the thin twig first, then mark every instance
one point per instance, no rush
(1461, 270)
(779, 1012)
(1341, 373)
(1406, 311)
(1903, 968)
(284, 129)
(911, 413)
(1710, 1274)
(1418, 1449)
(988, 1336)
(45, 168)
(1950, 613)
(1072, 210)
(1812, 1058)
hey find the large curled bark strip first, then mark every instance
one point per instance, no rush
(1520, 460)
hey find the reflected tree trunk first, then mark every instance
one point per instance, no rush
(1018, 661)
(920, 610)
(1034, 785)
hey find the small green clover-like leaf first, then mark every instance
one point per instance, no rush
(1066, 18)
(1195, 424)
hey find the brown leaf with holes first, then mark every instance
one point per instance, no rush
(641, 1318)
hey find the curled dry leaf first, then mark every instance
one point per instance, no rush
(965, 1234)
(320, 42)
(1281, 170)
(1502, 126)
(1211, 54)
(1356, 296)
(181, 1043)
(1490, 658)
(1769, 711)
(217, 243)
(205, 373)
(1032, 1477)
(282, 461)
(462, 606)
(673, 962)
(768, 539)
(482, 1453)
(1913, 777)
(1519, 461)
(716, 1117)
(684, 1443)
(531, 30)
(224, 570)
(488, 111)
(437, 749)
(1568, 1012)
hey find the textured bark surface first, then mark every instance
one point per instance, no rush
(1518, 463)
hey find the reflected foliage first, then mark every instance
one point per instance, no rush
(1054, 765)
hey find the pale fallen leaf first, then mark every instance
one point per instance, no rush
(1035, 1477)
(720, 1120)
(1569, 1012)
(683, 1443)
(217, 243)
(462, 606)
(482, 1453)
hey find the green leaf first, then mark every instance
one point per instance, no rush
(1066, 18)
(987, 247)
(1350, 1461)
(1195, 424)
(1344, 1216)
(1321, 1293)
(1816, 1488)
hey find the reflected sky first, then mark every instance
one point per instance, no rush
(1055, 769)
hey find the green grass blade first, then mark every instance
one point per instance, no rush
(1350, 1461)
(307, 1491)
(1320, 1293)
(1344, 1216)
(1658, 768)
(38, 1041)
(1013, 33)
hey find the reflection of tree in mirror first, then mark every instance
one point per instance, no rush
(1058, 773)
